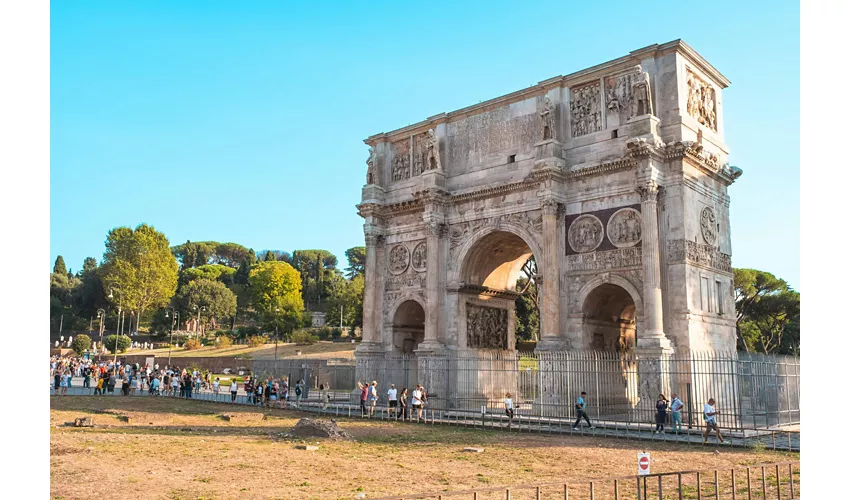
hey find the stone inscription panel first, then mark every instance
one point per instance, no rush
(486, 327)
(490, 132)
(620, 223)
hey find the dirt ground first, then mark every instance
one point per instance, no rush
(178, 449)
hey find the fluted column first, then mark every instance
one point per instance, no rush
(436, 231)
(652, 334)
(550, 337)
(371, 316)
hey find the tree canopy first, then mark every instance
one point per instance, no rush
(59, 266)
(768, 313)
(356, 262)
(139, 265)
(276, 290)
(201, 253)
(212, 298)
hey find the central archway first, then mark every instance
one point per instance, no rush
(490, 265)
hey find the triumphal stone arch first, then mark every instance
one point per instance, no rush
(614, 178)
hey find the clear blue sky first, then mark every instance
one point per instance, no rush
(244, 121)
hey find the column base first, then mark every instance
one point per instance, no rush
(428, 347)
(368, 349)
(654, 341)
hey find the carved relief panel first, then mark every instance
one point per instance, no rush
(585, 233)
(401, 160)
(486, 327)
(624, 228)
(702, 101)
(585, 110)
(708, 225)
(420, 153)
(418, 257)
(399, 259)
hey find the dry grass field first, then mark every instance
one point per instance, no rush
(178, 449)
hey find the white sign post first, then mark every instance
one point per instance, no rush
(643, 464)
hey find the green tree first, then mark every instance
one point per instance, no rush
(203, 293)
(215, 272)
(527, 310)
(276, 290)
(59, 266)
(348, 296)
(140, 265)
(767, 311)
(123, 343)
(88, 296)
(270, 256)
(80, 344)
(356, 262)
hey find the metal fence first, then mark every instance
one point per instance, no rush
(751, 391)
(774, 480)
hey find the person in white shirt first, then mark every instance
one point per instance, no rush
(233, 389)
(676, 406)
(509, 408)
(215, 385)
(416, 401)
(710, 415)
(392, 397)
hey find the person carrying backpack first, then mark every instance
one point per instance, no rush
(298, 392)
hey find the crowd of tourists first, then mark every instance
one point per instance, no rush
(104, 377)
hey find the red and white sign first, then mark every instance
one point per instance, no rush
(643, 464)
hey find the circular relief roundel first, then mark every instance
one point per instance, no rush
(624, 228)
(708, 225)
(399, 259)
(586, 233)
(418, 257)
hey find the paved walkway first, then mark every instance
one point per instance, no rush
(340, 407)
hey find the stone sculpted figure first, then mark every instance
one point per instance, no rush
(547, 114)
(641, 95)
(433, 151)
(370, 170)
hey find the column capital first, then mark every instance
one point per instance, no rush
(648, 190)
(438, 229)
(550, 206)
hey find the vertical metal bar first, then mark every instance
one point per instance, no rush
(763, 484)
(537, 493)
(616, 490)
(591, 491)
(680, 485)
(791, 478)
(660, 489)
(716, 485)
(644, 488)
(699, 486)
(733, 484)
(749, 486)
(507, 492)
(566, 493)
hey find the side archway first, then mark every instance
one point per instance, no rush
(611, 313)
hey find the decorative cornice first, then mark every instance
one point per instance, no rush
(623, 163)
(642, 148)
(705, 161)
(494, 191)
(487, 291)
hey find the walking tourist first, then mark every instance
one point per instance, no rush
(373, 397)
(57, 381)
(110, 383)
(402, 403)
(417, 401)
(710, 414)
(509, 408)
(258, 394)
(299, 389)
(660, 413)
(98, 387)
(676, 413)
(216, 385)
(63, 384)
(249, 390)
(175, 384)
(125, 384)
(233, 389)
(580, 413)
(392, 400)
(364, 395)
(323, 390)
